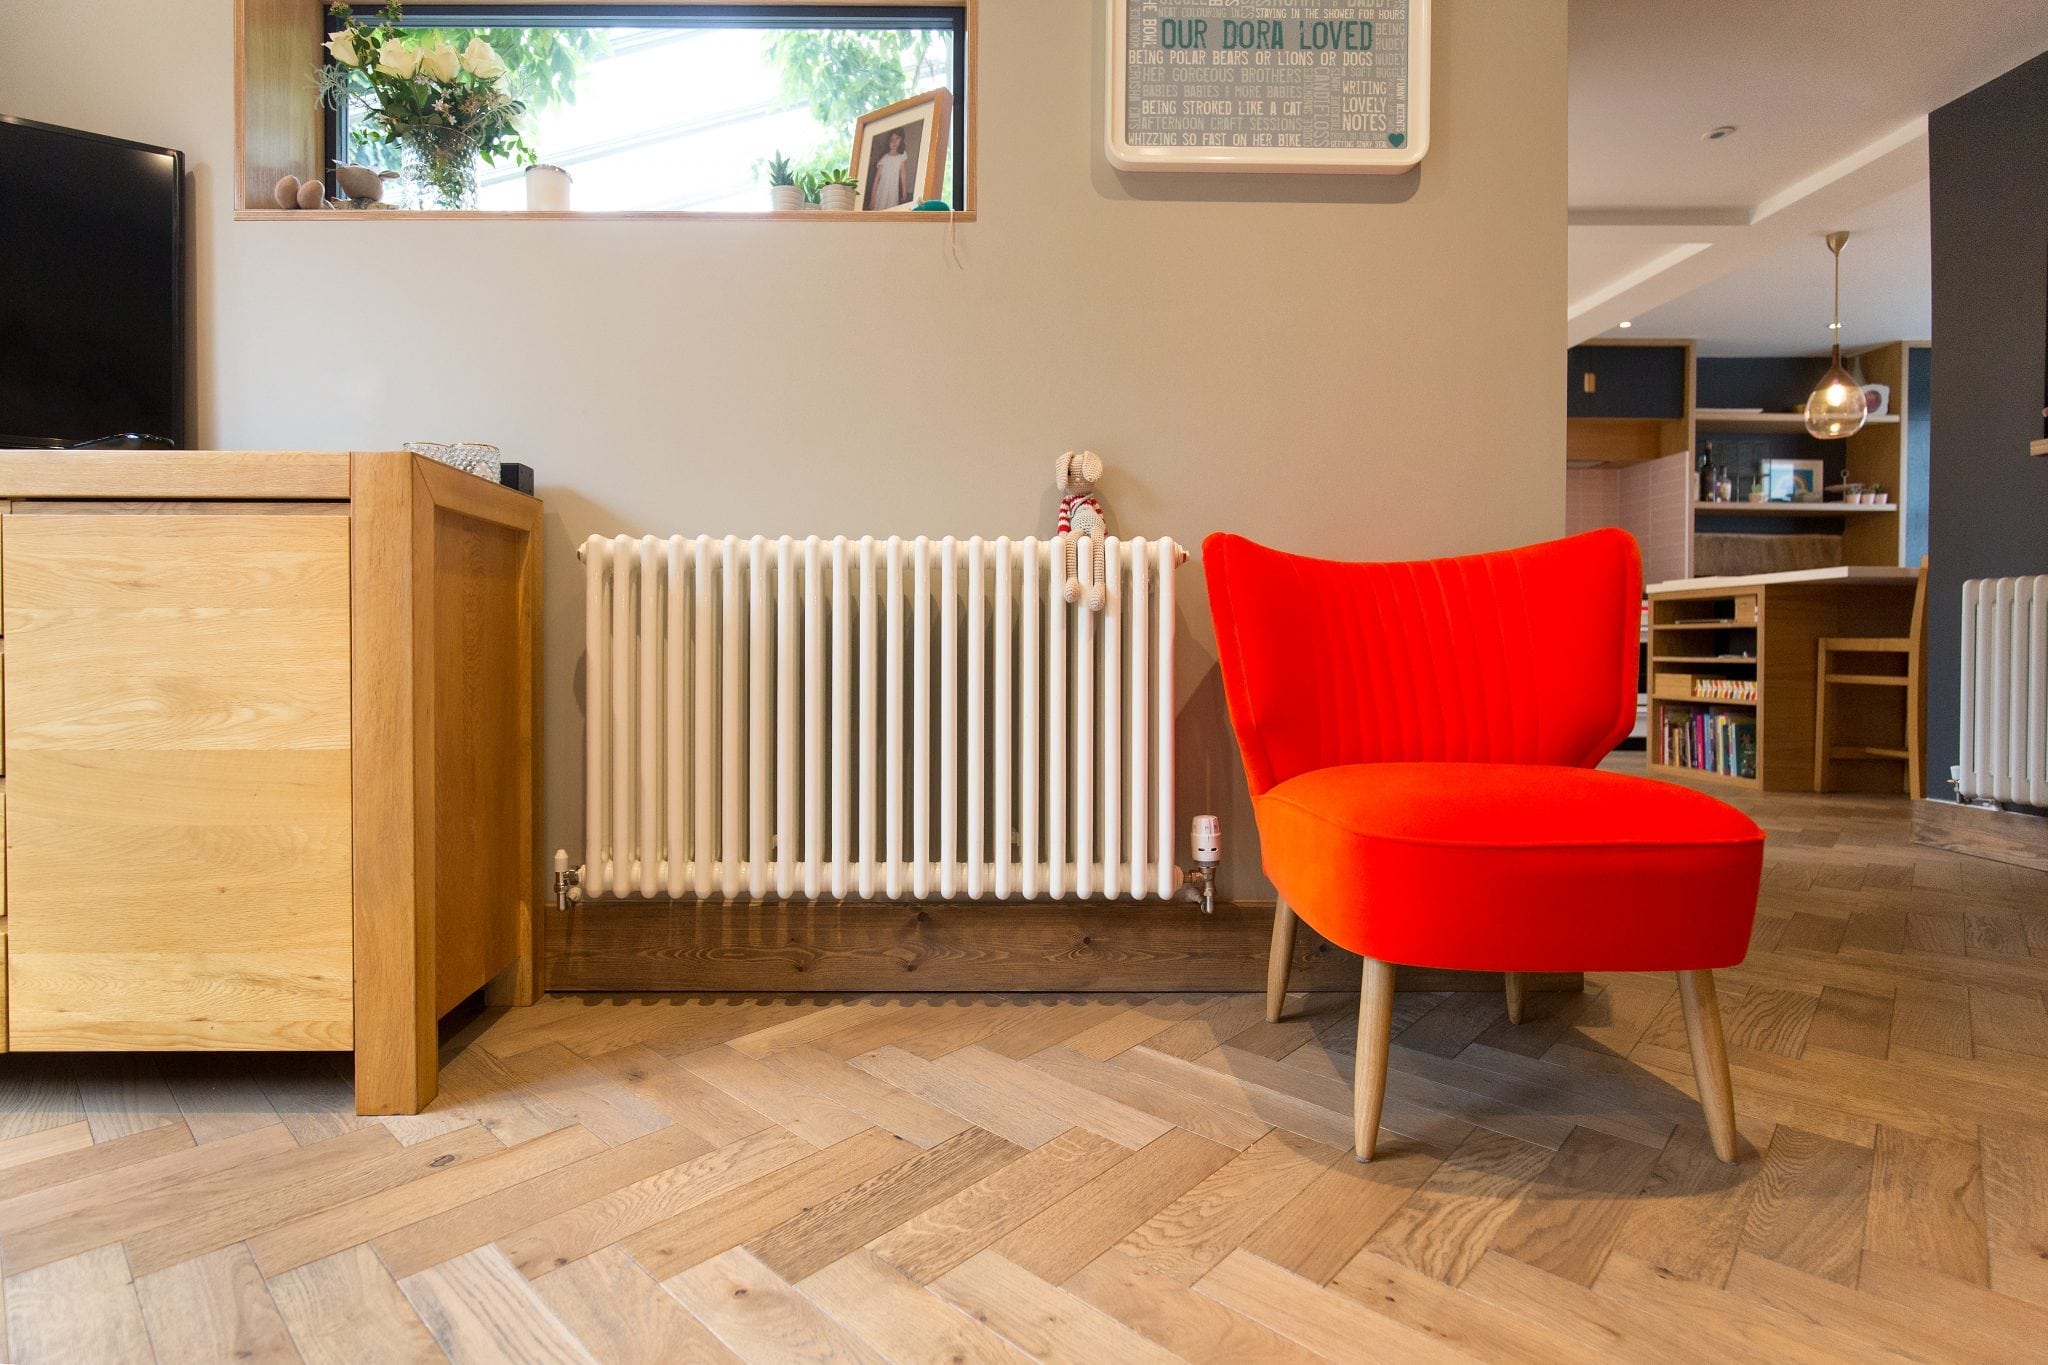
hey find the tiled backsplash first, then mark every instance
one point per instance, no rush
(1592, 499)
(1651, 501)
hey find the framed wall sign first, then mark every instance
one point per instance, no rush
(1252, 85)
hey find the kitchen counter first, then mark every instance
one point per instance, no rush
(1854, 573)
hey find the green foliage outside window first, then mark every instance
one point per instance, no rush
(838, 74)
(843, 73)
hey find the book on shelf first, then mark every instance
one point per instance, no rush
(1723, 689)
(1709, 740)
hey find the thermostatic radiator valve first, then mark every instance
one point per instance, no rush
(568, 882)
(1206, 837)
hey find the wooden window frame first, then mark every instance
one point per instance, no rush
(281, 130)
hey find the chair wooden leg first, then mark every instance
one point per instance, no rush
(1278, 959)
(1821, 776)
(1709, 1058)
(1916, 730)
(1518, 995)
(1375, 1032)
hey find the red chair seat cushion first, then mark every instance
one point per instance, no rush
(1514, 867)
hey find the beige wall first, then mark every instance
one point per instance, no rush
(1348, 366)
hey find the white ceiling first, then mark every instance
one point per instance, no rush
(1720, 240)
(1778, 305)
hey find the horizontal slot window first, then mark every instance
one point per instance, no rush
(681, 108)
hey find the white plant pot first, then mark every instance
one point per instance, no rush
(1881, 499)
(837, 198)
(547, 189)
(785, 198)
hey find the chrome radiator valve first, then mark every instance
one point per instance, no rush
(1206, 839)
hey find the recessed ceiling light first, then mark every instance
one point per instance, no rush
(1624, 325)
(1716, 134)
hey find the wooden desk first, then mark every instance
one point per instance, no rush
(269, 726)
(1765, 627)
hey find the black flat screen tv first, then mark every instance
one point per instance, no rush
(92, 288)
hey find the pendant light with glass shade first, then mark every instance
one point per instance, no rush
(1835, 409)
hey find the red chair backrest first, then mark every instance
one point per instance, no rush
(1519, 656)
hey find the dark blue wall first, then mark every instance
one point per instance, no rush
(1775, 383)
(1987, 498)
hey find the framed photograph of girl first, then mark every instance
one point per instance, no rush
(899, 152)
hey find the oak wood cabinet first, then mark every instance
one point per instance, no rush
(269, 729)
(1764, 629)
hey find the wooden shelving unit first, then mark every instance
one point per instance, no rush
(1633, 409)
(1791, 509)
(1714, 635)
(1767, 629)
(1877, 455)
(1703, 658)
(1741, 419)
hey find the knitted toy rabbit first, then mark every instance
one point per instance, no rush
(1081, 517)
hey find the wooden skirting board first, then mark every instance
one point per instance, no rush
(687, 946)
(2004, 836)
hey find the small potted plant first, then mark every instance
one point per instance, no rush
(784, 193)
(808, 183)
(838, 191)
(1878, 495)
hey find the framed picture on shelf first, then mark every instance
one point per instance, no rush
(1791, 480)
(899, 152)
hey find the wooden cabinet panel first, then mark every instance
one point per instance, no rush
(482, 784)
(178, 818)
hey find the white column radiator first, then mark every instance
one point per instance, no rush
(2004, 746)
(877, 719)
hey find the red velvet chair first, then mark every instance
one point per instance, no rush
(1420, 741)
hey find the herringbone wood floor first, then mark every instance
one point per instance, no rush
(1107, 1179)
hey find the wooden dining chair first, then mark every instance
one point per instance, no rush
(1890, 662)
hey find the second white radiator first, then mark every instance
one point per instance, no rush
(881, 719)
(2004, 741)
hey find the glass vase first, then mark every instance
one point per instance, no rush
(439, 166)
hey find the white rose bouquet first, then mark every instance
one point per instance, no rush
(443, 109)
